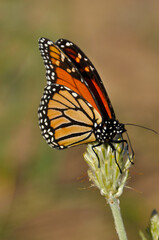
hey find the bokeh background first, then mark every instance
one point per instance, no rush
(45, 193)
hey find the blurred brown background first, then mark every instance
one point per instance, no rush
(44, 193)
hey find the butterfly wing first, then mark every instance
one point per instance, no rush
(65, 118)
(61, 70)
(90, 75)
(68, 110)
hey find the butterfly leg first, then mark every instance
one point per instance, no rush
(114, 150)
(121, 137)
(130, 145)
(94, 146)
(126, 147)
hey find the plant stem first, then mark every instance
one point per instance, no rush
(119, 226)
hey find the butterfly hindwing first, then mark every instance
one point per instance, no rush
(65, 118)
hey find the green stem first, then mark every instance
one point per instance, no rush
(119, 226)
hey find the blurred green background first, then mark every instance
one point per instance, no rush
(45, 193)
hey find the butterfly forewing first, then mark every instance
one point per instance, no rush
(90, 75)
(61, 70)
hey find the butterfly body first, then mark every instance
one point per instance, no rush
(108, 130)
(75, 107)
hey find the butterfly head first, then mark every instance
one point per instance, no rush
(120, 128)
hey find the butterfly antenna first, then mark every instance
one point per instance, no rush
(136, 125)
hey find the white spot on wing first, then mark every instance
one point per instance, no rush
(74, 94)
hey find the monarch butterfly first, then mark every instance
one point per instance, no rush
(75, 107)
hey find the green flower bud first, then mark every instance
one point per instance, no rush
(108, 177)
